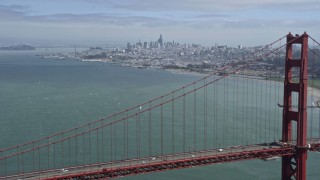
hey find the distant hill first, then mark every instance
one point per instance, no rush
(18, 47)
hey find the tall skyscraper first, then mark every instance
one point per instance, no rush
(145, 45)
(160, 40)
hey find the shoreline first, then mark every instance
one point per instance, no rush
(313, 92)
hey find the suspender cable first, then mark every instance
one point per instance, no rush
(84, 149)
(111, 144)
(227, 111)
(102, 144)
(33, 163)
(62, 150)
(194, 118)
(268, 93)
(161, 126)
(184, 121)
(237, 108)
(69, 153)
(76, 149)
(215, 115)
(205, 107)
(252, 112)
(172, 128)
(150, 128)
(247, 110)
(244, 133)
(54, 155)
(115, 140)
(312, 95)
(261, 119)
(127, 136)
(139, 132)
(224, 113)
(124, 137)
(98, 155)
(90, 159)
(233, 115)
(137, 135)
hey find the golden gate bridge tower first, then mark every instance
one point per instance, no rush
(295, 165)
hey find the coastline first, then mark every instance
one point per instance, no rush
(313, 92)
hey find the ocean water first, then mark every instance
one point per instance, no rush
(40, 97)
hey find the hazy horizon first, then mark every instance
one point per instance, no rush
(206, 22)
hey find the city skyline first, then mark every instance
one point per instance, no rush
(204, 22)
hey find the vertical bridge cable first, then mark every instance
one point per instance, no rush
(194, 118)
(312, 95)
(256, 113)
(205, 109)
(33, 162)
(139, 132)
(124, 137)
(172, 125)
(268, 82)
(243, 114)
(115, 141)
(150, 128)
(247, 110)
(76, 149)
(237, 107)
(224, 113)
(102, 144)
(184, 121)
(84, 149)
(233, 114)
(318, 55)
(127, 136)
(54, 155)
(89, 136)
(252, 112)
(62, 150)
(215, 133)
(98, 157)
(161, 126)
(227, 110)
(137, 135)
(111, 144)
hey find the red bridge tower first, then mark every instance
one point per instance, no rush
(295, 166)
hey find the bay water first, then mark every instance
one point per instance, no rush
(39, 97)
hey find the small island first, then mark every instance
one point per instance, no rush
(20, 47)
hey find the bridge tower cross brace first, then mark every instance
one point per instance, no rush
(294, 167)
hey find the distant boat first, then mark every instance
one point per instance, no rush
(271, 158)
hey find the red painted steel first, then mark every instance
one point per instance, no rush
(179, 164)
(295, 165)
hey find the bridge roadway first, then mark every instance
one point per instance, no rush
(168, 162)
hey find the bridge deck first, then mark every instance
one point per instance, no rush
(167, 162)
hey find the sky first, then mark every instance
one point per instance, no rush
(207, 22)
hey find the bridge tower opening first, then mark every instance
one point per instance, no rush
(294, 167)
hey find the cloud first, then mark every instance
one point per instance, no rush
(145, 13)
(16, 13)
(13, 8)
(194, 19)
(13, 12)
(217, 5)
